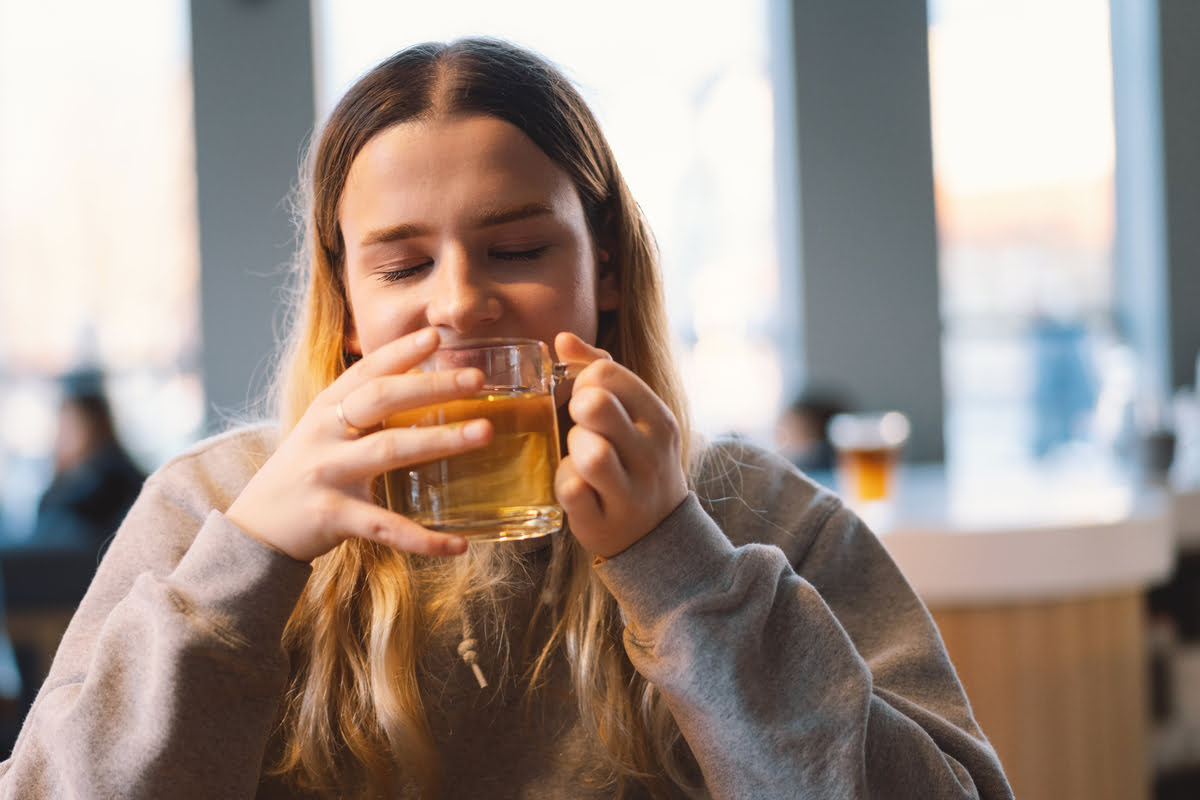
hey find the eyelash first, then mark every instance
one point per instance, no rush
(522, 255)
(396, 275)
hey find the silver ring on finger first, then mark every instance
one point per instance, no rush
(352, 430)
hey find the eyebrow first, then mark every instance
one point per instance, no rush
(484, 219)
(394, 233)
(502, 215)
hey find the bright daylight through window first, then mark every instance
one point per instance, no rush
(686, 101)
(1023, 168)
(98, 242)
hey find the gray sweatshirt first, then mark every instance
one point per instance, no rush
(795, 657)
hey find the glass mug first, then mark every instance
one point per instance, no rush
(504, 490)
(867, 448)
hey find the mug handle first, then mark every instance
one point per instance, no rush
(565, 371)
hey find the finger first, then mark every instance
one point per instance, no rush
(595, 459)
(598, 410)
(374, 402)
(577, 497)
(393, 448)
(397, 356)
(365, 520)
(641, 405)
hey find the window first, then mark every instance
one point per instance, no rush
(98, 240)
(1023, 172)
(685, 99)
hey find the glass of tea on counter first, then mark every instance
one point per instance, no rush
(867, 449)
(504, 490)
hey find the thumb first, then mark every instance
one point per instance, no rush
(569, 347)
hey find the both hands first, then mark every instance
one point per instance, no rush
(620, 478)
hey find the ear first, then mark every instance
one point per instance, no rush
(608, 286)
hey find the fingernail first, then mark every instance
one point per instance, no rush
(456, 545)
(475, 430)
(426, 338)
(468, 379)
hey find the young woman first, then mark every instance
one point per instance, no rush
(711, 625)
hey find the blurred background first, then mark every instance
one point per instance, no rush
(963, 197)
(977, 212)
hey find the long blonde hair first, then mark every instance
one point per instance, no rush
(353, 714)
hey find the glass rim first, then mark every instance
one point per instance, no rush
(489, 342)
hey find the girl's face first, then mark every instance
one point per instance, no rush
(464, 224)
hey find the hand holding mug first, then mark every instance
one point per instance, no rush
(622, 474)
(315, 490)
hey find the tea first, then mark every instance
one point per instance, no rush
(502, 491)
(868, 472)
(868, 448)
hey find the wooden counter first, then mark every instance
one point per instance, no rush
(1037, 584)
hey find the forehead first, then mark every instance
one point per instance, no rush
(431, 167)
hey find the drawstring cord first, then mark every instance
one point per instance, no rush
(468, 647)
(468, 653)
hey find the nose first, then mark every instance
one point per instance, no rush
(462, 297)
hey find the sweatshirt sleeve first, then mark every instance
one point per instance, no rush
(168, 678)
(804, 667)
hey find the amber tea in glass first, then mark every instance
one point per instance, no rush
(504, 490)
(867, 450)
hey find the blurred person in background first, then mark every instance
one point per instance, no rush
(95, 479)
(802, 430)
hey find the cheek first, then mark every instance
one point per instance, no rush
(377, 322)
(568, 305)
(587, 309)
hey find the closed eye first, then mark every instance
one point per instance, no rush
(520, 255)
(406, 273)
(403, 273)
